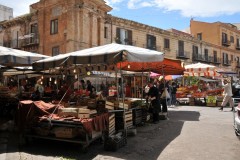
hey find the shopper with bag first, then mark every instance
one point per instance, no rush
(164, 95)
(153, 97)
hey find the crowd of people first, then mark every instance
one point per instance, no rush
(160, 94)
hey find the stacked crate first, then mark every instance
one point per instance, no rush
(120, 119)
(191, 101)
(129, 119)
(137, 116)
(111, 127)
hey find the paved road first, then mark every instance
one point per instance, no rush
(191, 133)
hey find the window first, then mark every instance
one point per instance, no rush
(225, 58)
(180, 48)
(224, 38)
(151, 42)
(232, 39)
(166, 43)
(124, 36)
(195, 49)
(105, 32)
(199, 36)
(54, 26)
(55, 51)
(206, 54)
(238, 43)
(215, 59)
(195, 52)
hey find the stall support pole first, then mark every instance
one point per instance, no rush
(142, 86)
(123, 99)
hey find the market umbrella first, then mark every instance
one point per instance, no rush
(165, 67)
(12, 57)
(201, 69)
(154, 75)
(171, 77)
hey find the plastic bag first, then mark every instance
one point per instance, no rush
(165, 94)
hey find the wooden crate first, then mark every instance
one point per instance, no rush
(211, 104)
(111, 127)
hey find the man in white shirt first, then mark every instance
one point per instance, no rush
(226, 83)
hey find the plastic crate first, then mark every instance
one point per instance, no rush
(113, 144)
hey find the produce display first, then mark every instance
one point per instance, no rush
(195, 92)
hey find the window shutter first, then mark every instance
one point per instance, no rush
(118, 36)
(130, 37)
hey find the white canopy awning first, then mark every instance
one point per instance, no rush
(201, 69)
(106, 54)
(13, 57)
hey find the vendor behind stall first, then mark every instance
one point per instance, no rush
(38, 90)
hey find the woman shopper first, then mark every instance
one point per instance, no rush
(226, 83)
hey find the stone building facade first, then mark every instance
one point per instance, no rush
(61, 26)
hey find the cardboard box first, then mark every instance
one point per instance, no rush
(65, 112)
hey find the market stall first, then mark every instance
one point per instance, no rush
(204, 88)
(111, 57)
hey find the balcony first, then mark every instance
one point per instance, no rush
(182, 54)
(227, 63)
(30, 42)
(216, 60)
(198, 57)
(226, 43)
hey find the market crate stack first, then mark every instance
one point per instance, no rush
(137, 116)
(109, 105)
(119, 120)
(191, 101)
(111, 129)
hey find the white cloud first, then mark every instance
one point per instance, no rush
(135, 4)
(191, 8)
(187, 8)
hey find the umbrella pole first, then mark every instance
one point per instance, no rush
(142, 86)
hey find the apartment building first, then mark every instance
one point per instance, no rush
(224, 35)
(6, 13)
(60, 26)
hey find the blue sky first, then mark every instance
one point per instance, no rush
(164, 14)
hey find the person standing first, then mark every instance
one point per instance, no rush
(226, 83)
(173, 94)
(153, 96)
(38, 90)
(163, 99)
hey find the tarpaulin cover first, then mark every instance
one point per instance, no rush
(14, 57)
(30, 112)
(107, 54)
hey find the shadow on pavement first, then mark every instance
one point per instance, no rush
(150, 141)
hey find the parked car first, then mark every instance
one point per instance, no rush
(236, 116)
